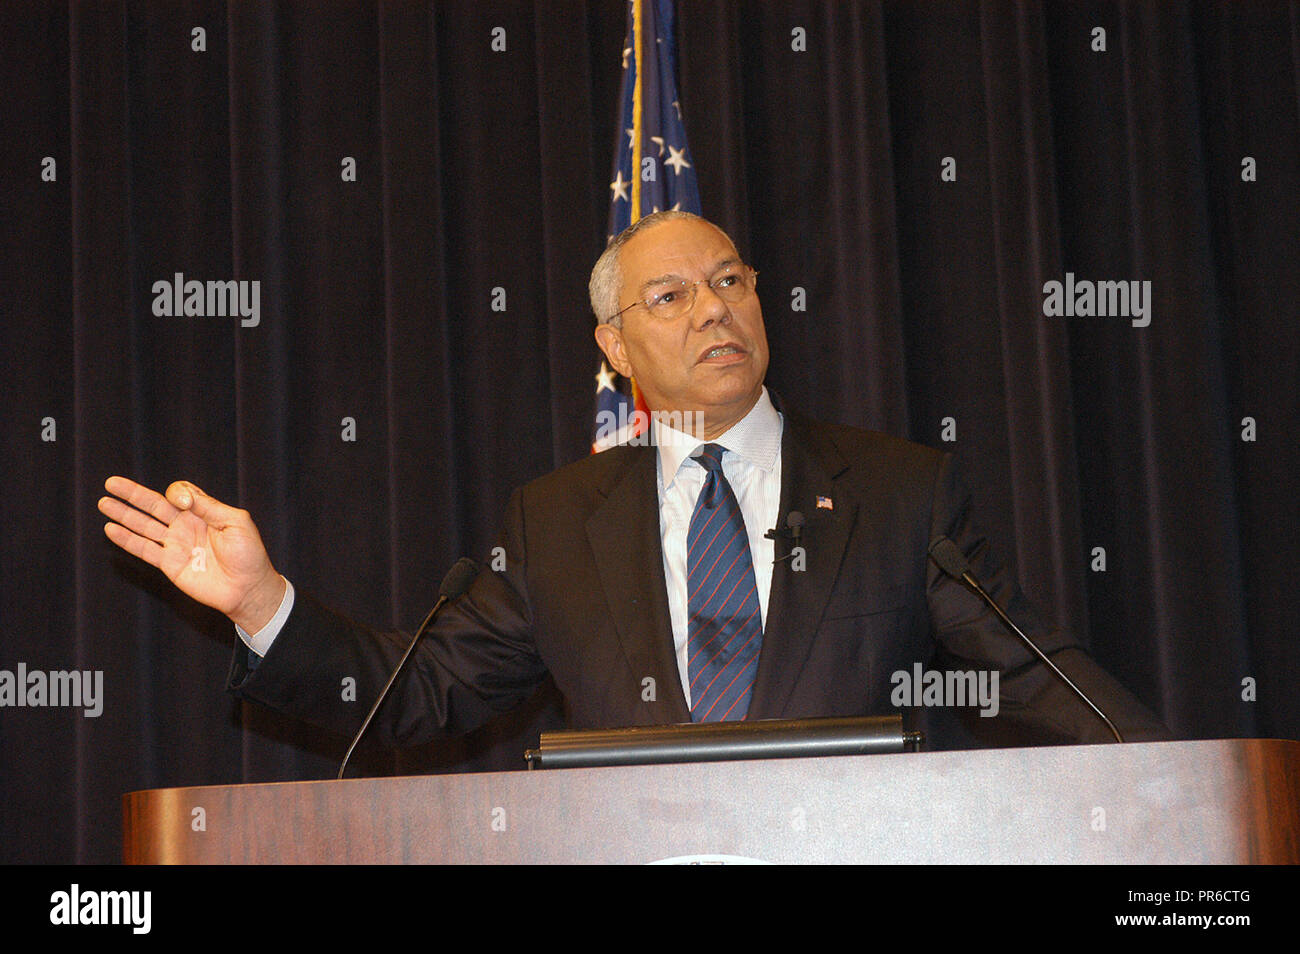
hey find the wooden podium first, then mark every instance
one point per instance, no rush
(1227, 801)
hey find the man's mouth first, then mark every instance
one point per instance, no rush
(725, 350)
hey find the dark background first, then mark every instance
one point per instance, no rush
(481, 169)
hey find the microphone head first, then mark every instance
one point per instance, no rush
(458, 578)
(795, 519)
(949, 558)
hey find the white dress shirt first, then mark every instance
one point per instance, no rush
(260, 641)
(752, 465)
(753, 468)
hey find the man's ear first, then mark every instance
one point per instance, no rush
(610, 340)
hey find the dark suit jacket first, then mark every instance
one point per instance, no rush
(582, 596)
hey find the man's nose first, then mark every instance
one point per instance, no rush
(709, 307)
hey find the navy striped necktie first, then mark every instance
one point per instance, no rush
(726, 627)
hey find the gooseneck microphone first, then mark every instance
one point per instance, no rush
(949, 558)
(456, 582)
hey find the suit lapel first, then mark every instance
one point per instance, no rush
(625, 538)
(809, 466)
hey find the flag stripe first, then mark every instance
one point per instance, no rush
(650, 112)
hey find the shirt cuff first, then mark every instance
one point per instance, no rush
(260, 641)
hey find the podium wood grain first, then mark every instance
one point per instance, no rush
(1223, 801)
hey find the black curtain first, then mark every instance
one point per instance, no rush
(906, 177)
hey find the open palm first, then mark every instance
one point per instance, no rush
(211, 551)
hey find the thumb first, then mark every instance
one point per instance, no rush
(186, 496)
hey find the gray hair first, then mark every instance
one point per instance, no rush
(607, 278)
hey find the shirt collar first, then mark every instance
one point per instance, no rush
(756, 437)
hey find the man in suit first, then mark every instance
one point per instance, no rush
(642, 580)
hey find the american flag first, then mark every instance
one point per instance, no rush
(651, 139)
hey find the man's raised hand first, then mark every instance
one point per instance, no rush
(211, 551)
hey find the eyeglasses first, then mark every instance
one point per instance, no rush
(671, 300)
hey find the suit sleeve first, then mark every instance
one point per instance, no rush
(476, 661)
(1032, 700)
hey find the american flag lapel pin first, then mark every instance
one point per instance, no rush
(825, 503)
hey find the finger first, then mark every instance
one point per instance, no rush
(210, 510)
(132, 519)
(141, 497)
(134, 544)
